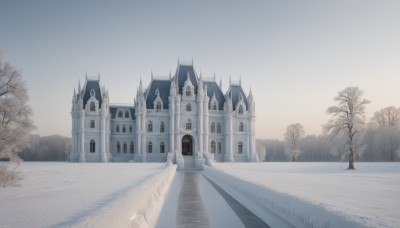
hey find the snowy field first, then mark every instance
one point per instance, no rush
(319, 194)
(72, 194)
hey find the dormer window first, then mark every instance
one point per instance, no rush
(92, 93)
(188, 107)
(188, 91)
(92, 106)
(214, 106)
(120, 114)
(126, 114)
(240, 110)
(158, 107)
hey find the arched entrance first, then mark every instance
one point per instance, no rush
(187, 145)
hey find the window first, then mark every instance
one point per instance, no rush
(92, 124)
(219, 147)
(212, 127)
(92, 106)
(188, 91)
(240, 148)
(241, 127)
(158, 107)
(150, 127)
(218, 128)
(120, 115)
(126, 114)
(150, 147)
(240, 109)
(118, 147)
(130, 128)
(212, 147)
(117, 128)
(123, 128)
(214, 106)
(125, 148)
(162, 127)
(132, 148)
(92, 146)
(162, 147)
(92, 93)
(188, 107)
(189, 125)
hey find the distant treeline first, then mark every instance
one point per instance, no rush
(380, 143)
(46, 148)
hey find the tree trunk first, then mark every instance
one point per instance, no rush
(351, 157)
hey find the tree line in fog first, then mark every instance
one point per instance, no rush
(379, 140)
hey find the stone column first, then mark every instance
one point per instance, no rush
(82, 136)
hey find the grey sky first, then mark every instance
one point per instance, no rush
(296, 55)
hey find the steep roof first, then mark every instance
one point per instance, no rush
(234, 91)
(182, 73)
(163, 87)
(213, 88)
(95, 85)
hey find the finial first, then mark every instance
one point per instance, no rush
(230, 81)
(220, 83)
(98, 75)
(151, 74)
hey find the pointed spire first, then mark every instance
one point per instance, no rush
(79, 86)
(74, 92)
(98, 75)
(250, 92)
(230, 81)
(152, 75)
(140, 86)
(220, 83)
(86, 74)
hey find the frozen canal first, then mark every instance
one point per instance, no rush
(194, 201)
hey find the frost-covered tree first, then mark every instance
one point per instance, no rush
(348, 119)
(292, 136)
(15, 114)
(389, 116)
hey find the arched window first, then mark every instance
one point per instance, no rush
(162, 147)
(118, 147)
(188, 91)
(92, 106)
(130, 128)
(189, 125)
(123, 128)
(150, 147)
(218, 128)
(158, 107)
(212, 147)
(132, 148)
(219, 147)
(162, 127)
(240, 148)
(125, 148)
(241, 127)
(117, 128)
(150, 127)
(92, 93)
(214, 106)
(92, 124)
(92, 146)
(126, 114)
(120, 115)
(240, 109)
(188, 107)
(212, 127)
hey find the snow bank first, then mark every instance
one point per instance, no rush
(92, 194)
(298, 212)
(136, 207)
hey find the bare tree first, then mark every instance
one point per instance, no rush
(389, 116)
(292, 135)
(347, 118)
(15, 114)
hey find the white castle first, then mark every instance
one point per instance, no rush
(179, 117)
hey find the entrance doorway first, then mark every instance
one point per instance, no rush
(187, 145)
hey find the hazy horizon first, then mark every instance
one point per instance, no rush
(296, 56)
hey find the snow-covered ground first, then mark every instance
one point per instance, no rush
(319, 194)
(72, 194)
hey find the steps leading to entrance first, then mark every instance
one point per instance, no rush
(189, 164)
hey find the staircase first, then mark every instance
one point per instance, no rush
(189, 164)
